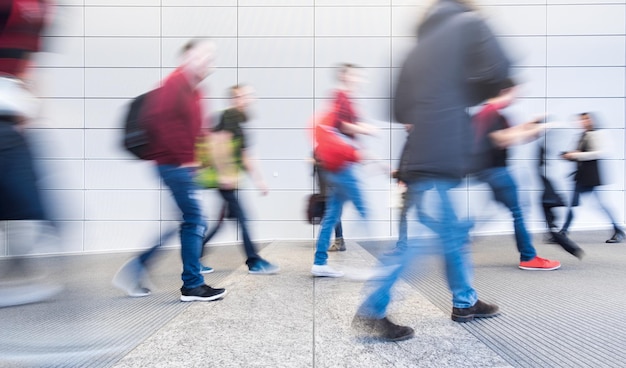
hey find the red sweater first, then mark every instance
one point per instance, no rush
(175, 116)
(21, 24)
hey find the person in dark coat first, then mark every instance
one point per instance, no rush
(587, 177)
(456, 63)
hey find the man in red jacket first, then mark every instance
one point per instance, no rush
(175, 118)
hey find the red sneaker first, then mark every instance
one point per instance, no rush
(539, 264)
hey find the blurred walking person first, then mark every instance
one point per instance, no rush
(587, 177)
(494, 136)
(342, 181)
(21, 26)
(175, 124)
(456, 63)
(231, 154)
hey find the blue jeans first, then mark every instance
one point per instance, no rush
(235, 210)
(186, 194)
(343, 186)
(453, 239)
(20, 195)
(505, 191)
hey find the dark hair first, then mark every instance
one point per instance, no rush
(344, 68)
(191, 44)
(507, 83)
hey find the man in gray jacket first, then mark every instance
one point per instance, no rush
(457, 63)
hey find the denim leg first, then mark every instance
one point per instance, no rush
(350, 186)
(230, 196)
(453, 235)
(343, 186)
(505, 192)
(148, 255)
(334, 206)
(192, 230)
(339, 230)
(403, 231)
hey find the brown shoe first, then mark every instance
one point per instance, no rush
(382, 328)
(478, 310)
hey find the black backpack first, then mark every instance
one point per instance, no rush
(136, 137)
(315, 207)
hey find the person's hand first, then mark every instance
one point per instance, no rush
(570, 156)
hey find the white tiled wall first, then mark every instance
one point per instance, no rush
(570, 54)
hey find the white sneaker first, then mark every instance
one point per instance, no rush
(325, 271)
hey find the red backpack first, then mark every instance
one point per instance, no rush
(331, 149)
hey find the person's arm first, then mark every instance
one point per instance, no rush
(358, 128)
(518, 134)
(251, 168)
(594, 152)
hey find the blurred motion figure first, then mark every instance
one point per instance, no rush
(456, 63)
(21, 25)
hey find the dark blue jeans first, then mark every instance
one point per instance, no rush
(505, 191)
(20, 196)
(192, 230)
(235, 210)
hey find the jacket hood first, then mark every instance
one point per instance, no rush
(439, 13)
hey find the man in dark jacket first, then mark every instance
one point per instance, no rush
(457, 63)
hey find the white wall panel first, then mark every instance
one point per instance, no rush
(517, 20)
(103, 52)
(128, 174)
(122, 205)
(105, 113)
(195, 22)
(279, 82)
(585, 82)
(586, 19)
(63, 113)
(364, 52)
(120, 82)
(122, 21)
(275, 21)
(352, 21)
(281, 113)
(275, 52)
(586, 51)
(60, 82)
(120, 235)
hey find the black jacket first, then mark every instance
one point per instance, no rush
(456, 63)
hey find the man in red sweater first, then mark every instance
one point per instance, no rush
(176, 126)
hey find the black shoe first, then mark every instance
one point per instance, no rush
(383, 327)
(478, 310)
(618, 236)
(568, 245)
(202, 293)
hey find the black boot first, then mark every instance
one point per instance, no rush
(618, 236)
(383, 328)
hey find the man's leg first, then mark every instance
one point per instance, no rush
(186, 194)
(230, 196)
(505, 192)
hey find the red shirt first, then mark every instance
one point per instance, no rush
(21, 25)
(175, 116)
(344, 111)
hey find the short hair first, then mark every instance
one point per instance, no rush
(344, 68)
(233, 90)
(191, 44)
